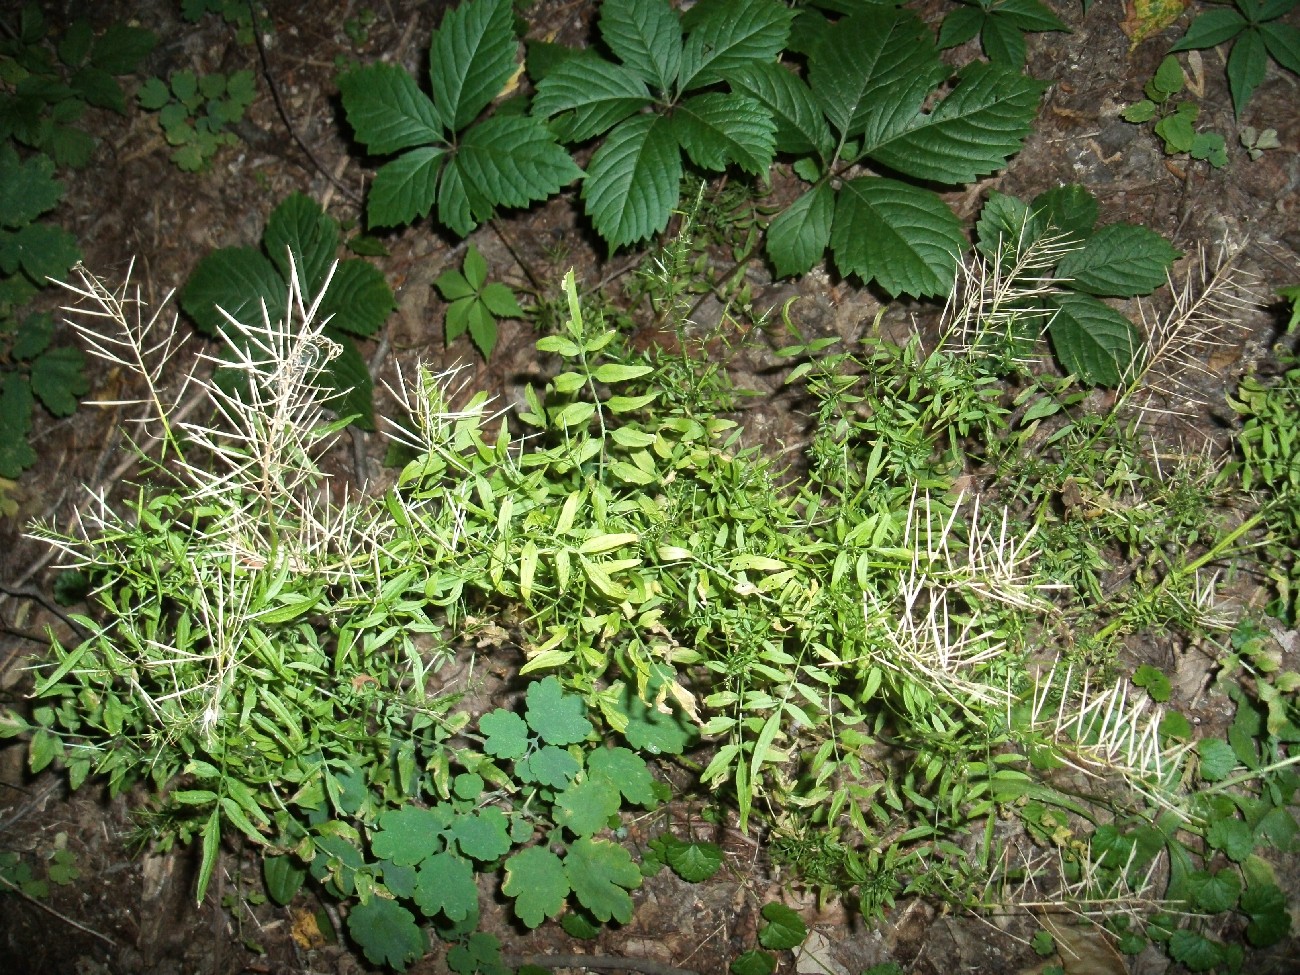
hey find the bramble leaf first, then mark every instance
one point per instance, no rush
(236, 280)
(601, 873)
(27, 188)
(914, 242)
(1092, 340)
(969, 134)
(1120, 260)
(387, 933)
(299, 225)
(535, 878)
(633, 180)
(358, 300)
(58, 379)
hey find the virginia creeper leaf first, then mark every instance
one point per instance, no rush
(728, 35)
(387, 110)
(646, 36)
(633, 180)
(471, 57)
(717, 129)
(588, 96)
(800, 125)
(798, 236)
(404, 189)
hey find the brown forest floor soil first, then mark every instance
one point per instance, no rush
(134, 913)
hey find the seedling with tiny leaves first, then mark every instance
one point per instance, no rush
(1001, 26)
(1258, 141)
(475, 303)
(468, 166)
(1257, 35)
(195, 112)
(1176, 122)
(243, 283)
(44, 92)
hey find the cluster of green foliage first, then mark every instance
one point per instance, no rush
(474, 303)
(1176, 125)
(242, 285)
(1001, 26)
(195, 111)
(48, 84)
(243, 16)
(704, 87)
(1257, 35)
(859, 648)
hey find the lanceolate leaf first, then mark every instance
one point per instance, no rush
(728, 35)
(593, 93)
(970, 134)
(646, 36)
(798, 237)
(460, 205)
(1247, 65)
(1003, 42)
(633, 180)
(800, 126)
(387, 110)
(471, 57)
(1282, 41)
(1211, 28)
(1092, 340)
(902, 236)
(404, 189)
(872, 71)
(1120, 260)
(717, 129)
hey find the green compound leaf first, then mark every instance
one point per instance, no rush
(1028, 15)
(121, 48)
(409, 835)
(785, 929)
(729, 35)
(1155, 682)
(445, 882)
(633, 180)
(800, 125)
(501, 301)
(58, 379)
(535, 878)
(559, 718)
(586, 806)
(387, 933)
(601, 873)
(1282, 41)
(646, 36)
(798, 236)
(1233, 837)
(483, 835)
(717, 130)
(506, 733)
(300, 226)
(626, 771)
(1092, 340)
(871, 72)
(27, 188)
(913, 242)
(404, 190)
(694, 862)
(549, 766)
(1120, 260)
(387, 110)
(970, 134)
(471, 57)
(588, 95)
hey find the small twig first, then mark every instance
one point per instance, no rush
(35, 595)
(607, 962)
(284, 115)
(62, 917)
